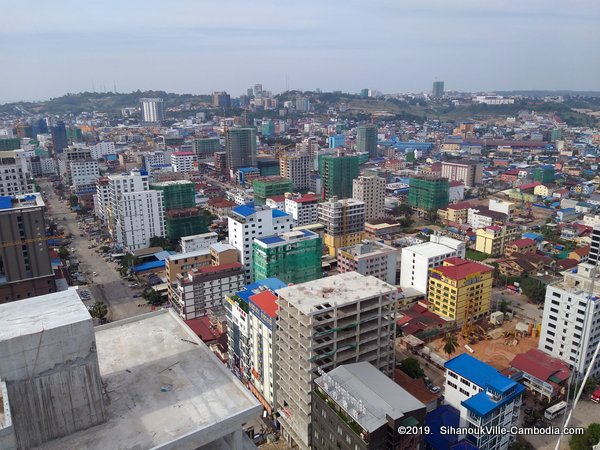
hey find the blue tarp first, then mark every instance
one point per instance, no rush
(149, 266)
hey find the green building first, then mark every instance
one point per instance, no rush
(268, 166)
(543, 174)
(293, 257)
(556, 135)
(186, 222)
(340, 127)
(10, 144)
(267, 128)
(409, 156)
(428, 193)
(366, 139)
(265, 187)
(177, 194)
(74, 134)
(206, 146)
(337, 173)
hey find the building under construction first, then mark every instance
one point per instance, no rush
(176, 194)
(344, 222)
(266, 187)
(186, 222)
(337, 172)
(427, 194)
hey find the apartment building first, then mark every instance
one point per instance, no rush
(524, 245)
(369, 258)
(101, 200)
(246, 222)
(468, 172)
(214, 255)
(344, 222)
(493, 239)
(418, 259)
(296, 167)
(371, 191)
(460, 289)
(25, 265)
(484, 398)
(14, 176)
(184, 161)
(326, 323)
(571, 320)
(302, 208)
(481, 217)
(198, 241)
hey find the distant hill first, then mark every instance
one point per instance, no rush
(565, 93)
(108, 102)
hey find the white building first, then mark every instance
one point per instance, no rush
(134, 214)
(248, 222)
(482, 217)
(591, 220)
(101, 200)
(149, 160)
(48, 166)
(493, 99)
(152, 110)
(369, 258)
(502, 206)
(198, 242)
(456, 191)
(184, 161)
(418, 259)
(571, 322)
(83, 175)
(14, 175)
(303, 209)
(371, 191)
(101, 149)
(277, 202)
(296, 167)
(484, 398)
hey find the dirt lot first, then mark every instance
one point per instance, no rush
(498, 351)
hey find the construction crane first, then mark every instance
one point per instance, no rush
(469, 324)
(280, 149)
(30, 241)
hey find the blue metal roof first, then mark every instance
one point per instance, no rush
(277, 213)
(444, 415)
(270, 283)
(5, 202)
(482, 404)
(244, 210)
(270, 239)
(149, 266)
(472, 369)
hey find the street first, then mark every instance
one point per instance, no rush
(106, 286)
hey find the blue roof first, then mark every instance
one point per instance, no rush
(464, 445)
(270, 239)
(444, 415)
(162, 255)
(149, 266)
(472, 369)
(534, 236)
(482, 404)
(244, 210)
(270, 283)
(5, 202)
(247, 169)
(277, 213)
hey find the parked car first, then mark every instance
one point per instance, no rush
(136, 295)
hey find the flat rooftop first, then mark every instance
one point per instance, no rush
(367, 249)
(430, 249)
(164, 389)
(336, 290)
(21, 201)
(43, 313)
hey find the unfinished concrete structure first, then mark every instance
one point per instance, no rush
(325, 323)
(49, 363)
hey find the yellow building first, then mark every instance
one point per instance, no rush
(493, 240)
(459, 285)
(344, 222)
(455, 213)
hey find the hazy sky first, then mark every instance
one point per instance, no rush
(49, 48)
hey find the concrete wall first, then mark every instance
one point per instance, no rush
(8, 440)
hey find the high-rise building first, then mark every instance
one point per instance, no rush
(293, 256)
(302, 104)
(198, 241)
(25, 265)
(79, 169)
(265, 187)
(296, 167)
(438, 89)
(470, 173)
(14, 176)
(240, 145)
(344, 222)
(152, 110)
(337, 140)
(571, 319)
(206, 147)
(247, 222)
(59, 137)
(8, 144)
(135, 213)
(484, 398)
(326, 323)
(101, 201)
(369, 258)
(366, 139)
(460, 290)
(221, 99)
(302, 208)
(374, 406)
(428, 193)
(418, 259)
(594, 255)
(220, 159)
(337, 173)
(184, 162)
(370, 190)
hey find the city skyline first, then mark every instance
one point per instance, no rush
(391, 47)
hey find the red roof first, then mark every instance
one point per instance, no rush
(529, 185)
(454, 260)
(306, 198)
(203, 329)
(461, 205)
(541, 365)
(267, 302)
(461, 268)
(277, 198)
(494, 228)
(525, 242)
(582, 251)
(184, 153)
(455, 184)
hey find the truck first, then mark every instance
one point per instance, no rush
(595, 397)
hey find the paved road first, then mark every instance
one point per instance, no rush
(518, 303)
(106, 286)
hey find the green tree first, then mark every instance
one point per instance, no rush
(450, 343)
(534, 289)
(589, 386)
(521, 446)
(63, 252)
(163, 242)
(587, 440)
(98, 310)
(412, 368)
(504, 304)
(152, 297)
(74, 200)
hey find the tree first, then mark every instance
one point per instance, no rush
(587, 440)
(74, 200)
(98, 310)
(412, 368)
(504, 304)
(152, 297)
(533, 289)
(589, 386)
(450, 343)
(63, 252)
(160, 241)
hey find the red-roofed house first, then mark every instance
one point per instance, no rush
(580, 254)
(541, 374)
(276, 202)
(460, 289)
(524, 245)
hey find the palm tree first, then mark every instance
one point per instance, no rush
(450, 343)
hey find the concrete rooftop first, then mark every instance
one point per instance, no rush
(336, 290)
(164, 389)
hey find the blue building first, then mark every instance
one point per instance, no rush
(484, 398)
(337, 140)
